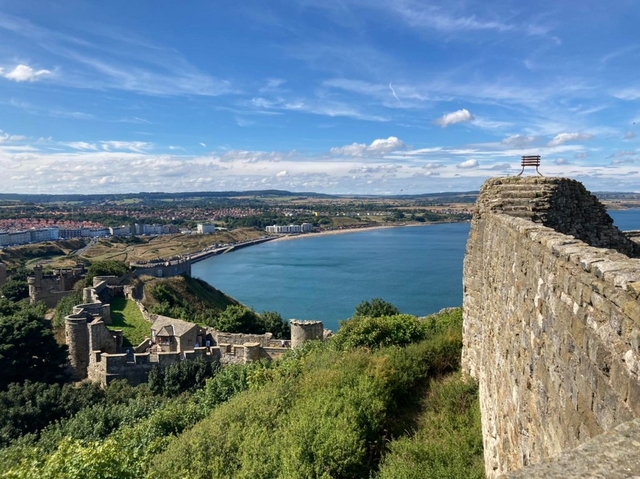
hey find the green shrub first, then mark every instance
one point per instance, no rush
(379, 332)
(448, 443)
(181, 376)
(375, 308)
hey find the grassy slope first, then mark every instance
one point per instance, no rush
(125, 315)
(334, 413)
(185, 290)
(148, 248)
(30, 254)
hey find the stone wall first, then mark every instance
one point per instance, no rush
(50, 288)
(162, 269)
(551, 321)
(135, 368)
(302, 331)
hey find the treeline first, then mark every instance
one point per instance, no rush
(383, 398)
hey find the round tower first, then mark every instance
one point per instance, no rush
(77, 336)
(302, 331)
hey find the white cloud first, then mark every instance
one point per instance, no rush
(622, 161)
(377, 147)
(518, 140)
(629, 135)
(561, 161)
(562, 138)
(432, 166)
(282, 174)
(24, 73)
(203, 145)
(468, 164)
(7, 137)
(501, 166)
(460, 116)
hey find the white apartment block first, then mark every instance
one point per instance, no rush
(206, 228)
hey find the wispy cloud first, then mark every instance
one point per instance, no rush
(317, 107)
(133, 65)
(518, 140)
(563, 138)
(631, 93)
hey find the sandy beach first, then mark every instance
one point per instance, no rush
(347, 230)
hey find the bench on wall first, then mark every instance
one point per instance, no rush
(531, 160)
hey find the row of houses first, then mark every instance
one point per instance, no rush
(54, 233)
(34, 235)
(281, 229)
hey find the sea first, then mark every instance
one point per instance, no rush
(417, 268)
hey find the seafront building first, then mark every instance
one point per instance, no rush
(206, 228)
(54, 233)
(284, 229)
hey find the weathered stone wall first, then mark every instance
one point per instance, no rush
(551, 323)
(302, 331)
(50, 288)
(163, 269)
(135, 368)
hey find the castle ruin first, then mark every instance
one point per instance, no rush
(96, 352)
(552, 331)
(52, 287)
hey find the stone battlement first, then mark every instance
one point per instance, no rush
(135, 368)
(551, 320)
(162, 268)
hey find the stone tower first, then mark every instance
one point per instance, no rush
(302, 331)
(77, 336)
(3, 274)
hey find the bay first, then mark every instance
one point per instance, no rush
(626, 220)
(419, 269)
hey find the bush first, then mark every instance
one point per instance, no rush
(375, 308)
(181, 376)
(109, 267)
(29, 407)
(379, 332)
(65, 308)
(448, 444)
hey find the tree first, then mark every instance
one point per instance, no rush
(65, 308)
(274, 324)
(379, 332)
(375, 308)
(109, 267)
(239, 319)
(15, 289)
(28, 350)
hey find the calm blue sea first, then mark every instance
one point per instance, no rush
(419, 269)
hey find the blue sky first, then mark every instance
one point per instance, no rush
(334, 96)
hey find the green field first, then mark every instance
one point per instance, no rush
(125, 315)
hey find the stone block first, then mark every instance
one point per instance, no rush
(632, 310)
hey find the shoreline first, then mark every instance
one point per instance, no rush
(206, 254)
(357, 230)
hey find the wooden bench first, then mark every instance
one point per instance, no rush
(530, 161)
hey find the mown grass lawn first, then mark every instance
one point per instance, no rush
(125, 315)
